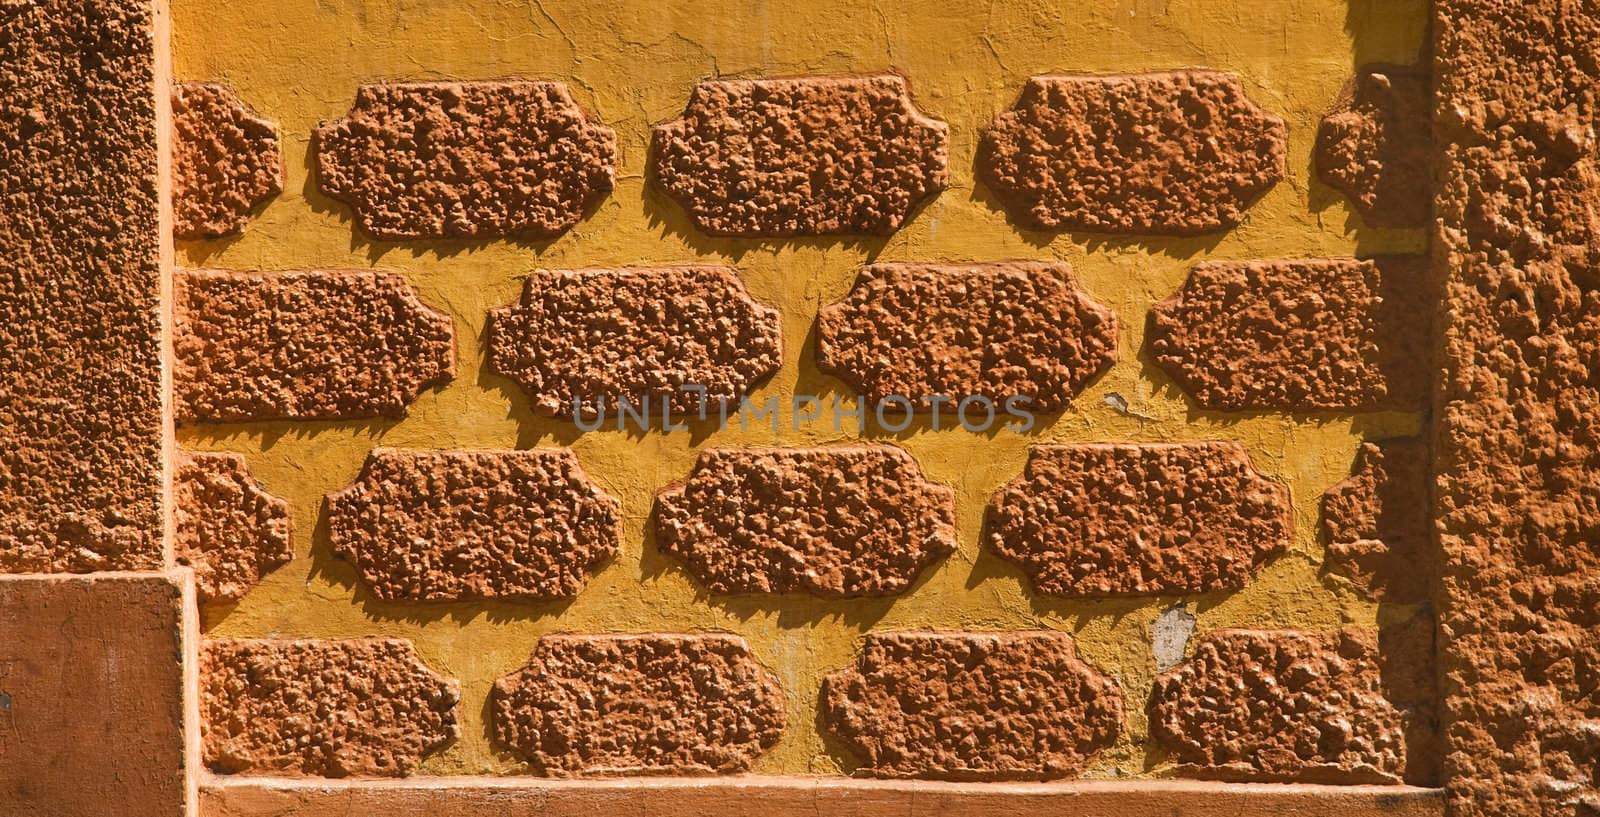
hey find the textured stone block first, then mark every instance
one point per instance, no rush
(454, 525)
(323, 345)
(228, 529)
(1280, 706)
(364, 707)
(80, 288)
(856, 520)
(1517, 460)
(225, 161)
(1376, 146)
(1377, 522)
(91, 696)
(1013, 329)
(971, 706)
(645, 704)
(1177, 153)
(482, 160)
(585, 338)
(1318, 334)
(1139, 520)
(808, 156)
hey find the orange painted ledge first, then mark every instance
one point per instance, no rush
(776, 796)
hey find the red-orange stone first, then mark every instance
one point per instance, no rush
(454, 525)
(1017, 329)
(228, 529)
(225, 161)
(1302, 335)
(854, 520)
(364, 707)
(479, 160)
(1177, 153)
(1376, 146)
(321, 345)
(806, 156)
(971, 706)
(582, 339)
(1140, 520)
(1281, 706)
(645, 704)
(1377, 522)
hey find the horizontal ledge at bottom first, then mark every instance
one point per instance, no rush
(780, 796)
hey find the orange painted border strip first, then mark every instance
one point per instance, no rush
(778, 796)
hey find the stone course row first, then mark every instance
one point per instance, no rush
(1164, 153)
(1082, 521)
(1249, 705)
(1320, 334)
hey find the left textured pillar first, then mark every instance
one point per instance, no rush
(93, 714)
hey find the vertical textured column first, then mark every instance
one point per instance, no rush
(1518, 436)
(81, 433)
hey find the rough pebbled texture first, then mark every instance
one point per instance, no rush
(363, 707)
(645, 704)
(482, 160)
(809, 156)
(971, 706)
(586, 337)
(1299, 335)
(453, 525)
(1376, 146)
(855, 520)
(228, 529)
(1179, 153)
(1517, 456)
(1018, 328)
(1376, 522)
(1139, 520)
(1279, 705)
(324, 345)
(80, 287)
(225, 161)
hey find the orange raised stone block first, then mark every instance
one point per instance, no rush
(843, 521)
(92, 695)
(1273, 705)
(801, 157)
(225, 160)
(457, 525)
(1377, 522)
(1016, 329)
(364, 707)
(1101, 520)
(318, 345)
(583, 339)
(228, 529)
(1376, 146)
(475, 160)
(81, 421)
(639, 705)
(971, 706)
(1305, 335)
(1175, 153)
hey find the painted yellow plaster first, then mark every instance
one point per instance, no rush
(633, 64)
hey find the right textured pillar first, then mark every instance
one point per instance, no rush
(1518, 404)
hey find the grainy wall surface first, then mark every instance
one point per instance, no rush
(300, 63)
(80, 288)
(1515, 444)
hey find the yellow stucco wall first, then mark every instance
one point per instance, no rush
(633, 64)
